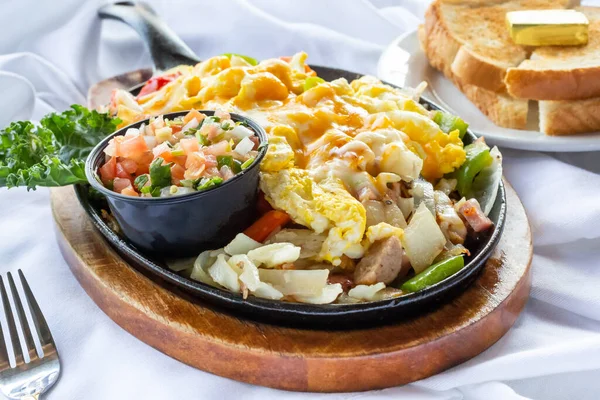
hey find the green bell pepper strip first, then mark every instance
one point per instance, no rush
(434, 274)
(203, 140)
(311, 82)
(449, 123)
(249, 60)
(478, 158)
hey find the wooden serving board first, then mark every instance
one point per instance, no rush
(295, 359)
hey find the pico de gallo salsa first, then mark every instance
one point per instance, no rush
(169, 157)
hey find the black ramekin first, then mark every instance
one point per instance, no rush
(183, 225)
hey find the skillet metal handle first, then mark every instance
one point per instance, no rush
(166, 48)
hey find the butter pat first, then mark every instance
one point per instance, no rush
(548, 27)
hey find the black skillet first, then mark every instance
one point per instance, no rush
(167, 51)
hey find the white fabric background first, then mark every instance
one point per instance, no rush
(51, 51)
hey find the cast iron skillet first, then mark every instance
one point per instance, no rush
(330, 316)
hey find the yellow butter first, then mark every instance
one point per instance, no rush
(548, 27)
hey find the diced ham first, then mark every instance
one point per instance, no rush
(471, 211)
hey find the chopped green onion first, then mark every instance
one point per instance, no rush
(226, 126)
(173, 189)
(249, 60)
(141, 181)
(247, 163)
(177, 152)
(203, 140)
(188, 183)
(206, 183)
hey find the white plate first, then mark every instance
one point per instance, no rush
(403, 63)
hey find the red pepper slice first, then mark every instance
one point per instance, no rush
(155, 83)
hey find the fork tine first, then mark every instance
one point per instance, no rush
(4, 360)
(29, 343)
(12, 328)
(36, 313)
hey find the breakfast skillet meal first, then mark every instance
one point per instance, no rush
(367, 195)
(504, 64)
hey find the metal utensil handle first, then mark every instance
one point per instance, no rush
(166, 48)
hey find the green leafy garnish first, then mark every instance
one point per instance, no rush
(225, 161)
(449, 123)
(52, 153)
(249, 60)
(312, 81)
(207, 183)
(188, 183)
(160, 175)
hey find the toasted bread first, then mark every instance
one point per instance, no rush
(502, 109)
(569, 117)
(474, 32)
(561, 72)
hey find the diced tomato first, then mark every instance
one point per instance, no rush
(130, 191)
(177, 173)
(256, 141)
(157, 82)
(211, 131)
(194, 165)
(163, 150)
(180, 160)
(121, 183)
(210, 172)
(143, 162)
(218, 149)
(190, 145)
(109, 170)
(226, 172)
(121, 172)
(129, 165)
(176, 130)
(193, 114)
(211, 161)
(133, 146)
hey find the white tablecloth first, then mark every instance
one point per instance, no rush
(52, 51)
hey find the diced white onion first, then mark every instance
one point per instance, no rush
(240, 132)
(296, 282)
(132, 132)
(274, 254)
(328, 295)
(224, 274)
(190, 125)
(366, 292)
(200, 270)
(241, 244)
(151, 141)
(267, 291)
(423, 239)
(249, 275)
(244, 146)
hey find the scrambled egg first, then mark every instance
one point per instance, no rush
(327, 140)
(321, 206)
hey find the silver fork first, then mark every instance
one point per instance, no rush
(26, 380)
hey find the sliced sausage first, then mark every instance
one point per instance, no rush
(381, 263)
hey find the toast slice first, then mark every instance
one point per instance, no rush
(569, 117)
(561, 72)
(502, 109)
(471, 39)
